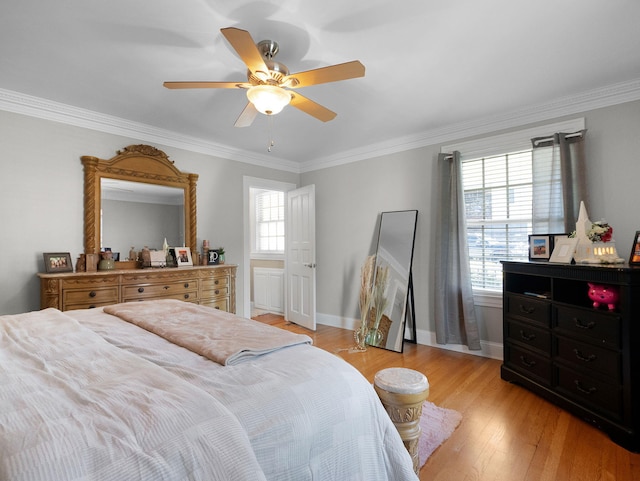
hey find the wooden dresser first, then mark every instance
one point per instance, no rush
(212, 286)
(558, 345)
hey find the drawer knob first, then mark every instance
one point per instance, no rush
(217, 308)
(165, 287)
(582, 389)
(186, 284)
(92, 306)
(216, 282)
(527, 337)
(140, 289)
(582, 325)
(527, 362)
(527, 309)
(186, 296)
(216, 292)
(92, 294)
(584, 358)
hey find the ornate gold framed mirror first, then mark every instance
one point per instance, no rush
(141, 165)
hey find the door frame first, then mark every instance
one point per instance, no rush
(247, 183)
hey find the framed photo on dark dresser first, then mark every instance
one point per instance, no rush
(634, 258)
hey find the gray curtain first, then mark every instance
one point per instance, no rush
(559, 182)
(454, 310)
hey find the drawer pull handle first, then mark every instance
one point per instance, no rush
(92, 294)
(527, 310)
(186, 285)
(216, 292)
(581, 325)
(186, 296)
(165, 287)
(217, 308)
(584, 358)
(140, 289)
(216, 282)
(527, 337)
(527, 362)
(585, 390)
(92, 306)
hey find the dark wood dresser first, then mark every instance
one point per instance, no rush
(584, 359)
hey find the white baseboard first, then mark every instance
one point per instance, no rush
(492, 350)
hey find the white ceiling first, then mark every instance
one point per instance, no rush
(435, 70)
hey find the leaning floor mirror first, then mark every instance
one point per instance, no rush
(396, 239)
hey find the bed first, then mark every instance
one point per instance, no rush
(167, 390)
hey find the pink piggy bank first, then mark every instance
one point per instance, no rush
(602, 294)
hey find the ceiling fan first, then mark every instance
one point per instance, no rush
(269, 82)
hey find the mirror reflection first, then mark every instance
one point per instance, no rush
(396, 238)
(136, 214)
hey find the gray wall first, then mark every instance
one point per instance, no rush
(349, 199)
(41, 190)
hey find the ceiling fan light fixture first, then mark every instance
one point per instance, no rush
(268, 99)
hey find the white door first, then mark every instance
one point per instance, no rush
(301, 257)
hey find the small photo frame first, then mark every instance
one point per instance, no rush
(57, 262)
(214, 257)
(564, 249)
(634, 258)
(183, 256)
(540, 247)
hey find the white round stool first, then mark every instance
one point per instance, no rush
(402, 392)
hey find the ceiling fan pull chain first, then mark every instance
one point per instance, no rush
(270, 142)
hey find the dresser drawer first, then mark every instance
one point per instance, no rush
(529, 335)
(213, 283)
(166, 290)
(191, 296)
(222, 304)
(596, 394)
(601, 327)
(528, 362)
(588, 356)
(529, 309)
(100, 296)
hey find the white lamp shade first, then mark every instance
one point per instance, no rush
(268, 99)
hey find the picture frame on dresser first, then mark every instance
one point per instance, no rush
(182, 256)
(634, 257)
(57, 262)
(563, 250)
(540, 246)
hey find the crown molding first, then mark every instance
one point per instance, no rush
(58, 112)
(584, 101)
(570, 105)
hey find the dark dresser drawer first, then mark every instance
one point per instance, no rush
(529, 309)
(529, 335)
(593, 358)
(528, 362)
(602, 327)
(598, 395)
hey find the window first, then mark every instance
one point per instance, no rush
(268, 235)
(497, 185)
(498, 203)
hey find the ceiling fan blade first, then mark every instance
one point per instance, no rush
(206, 85)
(323, 75)
(311, 108)
(247, 116)
(243, 43)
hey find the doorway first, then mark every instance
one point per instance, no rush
(267, 258)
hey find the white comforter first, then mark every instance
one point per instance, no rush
(73, 406)
(299, 413)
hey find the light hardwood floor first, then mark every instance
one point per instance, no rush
(507, 433)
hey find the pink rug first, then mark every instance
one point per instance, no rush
(437, 425)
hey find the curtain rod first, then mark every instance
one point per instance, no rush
(540, 140)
